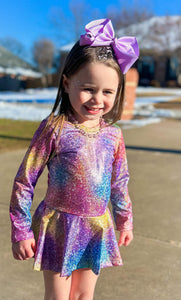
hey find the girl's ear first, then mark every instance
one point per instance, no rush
(66, 83)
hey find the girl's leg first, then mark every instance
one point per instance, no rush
(83, 284)
(56, 287)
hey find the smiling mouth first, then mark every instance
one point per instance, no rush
(93, 110)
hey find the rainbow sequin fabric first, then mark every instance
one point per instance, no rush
(73, 226)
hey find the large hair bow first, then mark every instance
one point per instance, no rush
(101, 33)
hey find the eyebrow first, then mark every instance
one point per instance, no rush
(88, 84)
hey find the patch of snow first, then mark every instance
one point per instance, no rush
(31, 95)
(156, 90)
(158, 33)
(20, 71)
(28, 112)
(143, 101)
(128, 124)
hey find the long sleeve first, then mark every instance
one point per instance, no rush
(41, 147)
(121, 203)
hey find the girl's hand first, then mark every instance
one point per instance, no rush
(24, 250)
(125, 238)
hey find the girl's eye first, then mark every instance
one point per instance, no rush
(88, 90)
(108, 92)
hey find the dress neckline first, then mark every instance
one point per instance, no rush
(90, 132)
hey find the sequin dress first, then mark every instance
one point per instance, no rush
(73, 226)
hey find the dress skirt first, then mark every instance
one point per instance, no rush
(67, 242)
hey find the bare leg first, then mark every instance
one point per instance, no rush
(56, 287)
(83, 284)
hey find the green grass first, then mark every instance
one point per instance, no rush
(16, 134)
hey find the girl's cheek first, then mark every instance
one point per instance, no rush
(85, 97)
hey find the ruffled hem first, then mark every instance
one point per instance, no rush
(67, 242)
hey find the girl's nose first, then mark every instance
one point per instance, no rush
(97, 98)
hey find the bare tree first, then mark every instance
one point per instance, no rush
(13, 46)
(43, 52)
(78, 12)
(178, 53)
(125, 15)
(69, 27)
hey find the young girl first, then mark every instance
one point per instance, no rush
(71, 235)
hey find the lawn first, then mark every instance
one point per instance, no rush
(16, 134)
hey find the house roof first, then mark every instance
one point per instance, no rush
(66, 48)
(12, 64)
(155, 35)
(9, 60)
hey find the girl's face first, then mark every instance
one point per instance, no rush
(92, 92)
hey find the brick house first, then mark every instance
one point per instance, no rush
(14, 72)
(159, 39)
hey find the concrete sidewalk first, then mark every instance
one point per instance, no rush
(152, 263)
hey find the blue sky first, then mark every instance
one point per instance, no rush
(29, 20)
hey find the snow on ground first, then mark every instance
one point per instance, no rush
(157, 90)
(31, 104)
(29, 96)
(144, 106)
(28, 112)
(36, 104)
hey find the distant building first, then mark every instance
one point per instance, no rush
(14, 72)
(159, 40)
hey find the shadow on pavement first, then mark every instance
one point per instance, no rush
(173, 151)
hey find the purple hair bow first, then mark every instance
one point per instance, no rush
(101, 33)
